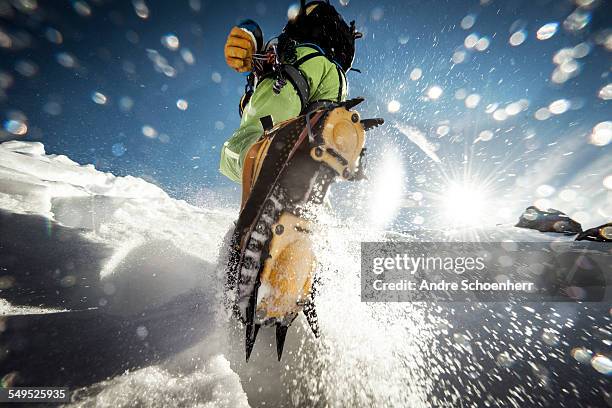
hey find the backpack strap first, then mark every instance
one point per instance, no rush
(292, 73)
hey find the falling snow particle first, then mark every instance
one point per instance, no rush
(182, 104)
(470, 41)
(518, 38)
(187, 56)
(118, 149)
(126, 103)
(142, 332)
(16, 127)
(602, 134)
(293, 11)
(149, 131)
(82, 8)
(547, 31)
(581, 354)
(99, 98)
(170, 41)
(393, 106)
(485, 136)
(377, 14)
(607, 182)
(559, 106)
(482, 44)
(605, 93)
(602, 364)
(141, 9)
(216, 77)
(472, 101)
(468, 21)
(416, 74)
(577, 21)
(434, 92)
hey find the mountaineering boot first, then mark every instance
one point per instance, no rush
(288, 171)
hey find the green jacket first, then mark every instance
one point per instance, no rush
(326, 82)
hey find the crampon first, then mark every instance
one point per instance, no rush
(272, 264)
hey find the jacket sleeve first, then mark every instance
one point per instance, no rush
(283, 106)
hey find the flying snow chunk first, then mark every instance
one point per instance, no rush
(500, 115)
(118, 149)
(468, 21)
(605, 93)
(542, 114)
(578, 20)
(485, 136)
(126, 103)
(601, 134)
(170, 41)
(54, 35)
(416, 74)
(581, 354)
(394, 106)
(547, 31)
(182, 104)
(99, 98)
(418, 138)
(66, 59)
(434, 92)
(141, 9)
(377, 13)
(472, 101)
(459, 56)
(461, 94)
(293, 11)
(216, 77)
(149, 131)
(607, 182)
(559, 106)
(82, 8)
(482, 44)
(518, 38)
(16, 127)
(602, 364)
(545, 190)
(470, 41)
(187, 56)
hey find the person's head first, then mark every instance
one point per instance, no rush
(319, 23)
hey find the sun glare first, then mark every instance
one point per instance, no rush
(464, 205)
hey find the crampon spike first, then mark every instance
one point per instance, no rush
(251, 335)
(369, 124)
(351, 103)
(311, 317)
(281, 334)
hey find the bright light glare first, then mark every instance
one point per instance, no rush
(463, 205)
(386, 198)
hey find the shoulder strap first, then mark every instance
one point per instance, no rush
(341, 79)
(299, 82)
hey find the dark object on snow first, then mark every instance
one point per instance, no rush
(550, 220)
(603, 233)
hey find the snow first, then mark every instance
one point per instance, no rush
(144, 248)
(126, 293)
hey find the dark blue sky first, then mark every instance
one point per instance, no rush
(109, 43)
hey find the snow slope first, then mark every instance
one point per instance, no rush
(79, 242)
(113, 288)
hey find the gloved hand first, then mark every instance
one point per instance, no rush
(239, 49)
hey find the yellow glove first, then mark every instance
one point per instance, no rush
(239, 50)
